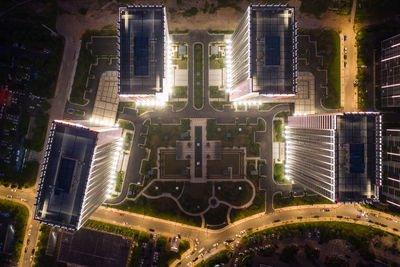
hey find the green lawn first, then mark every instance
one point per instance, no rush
(219, 259)
(163, 208)
(195, 196)
(230, 192)
(258, 205)
(118, 183)
(278, 131)
(179, 91)
(216, 218)
(163, 136)
(231, 136)
(127, 141)
(123, 105)
(267, 106)
(198, 75)
(127, 125)
(359, 236)
(39, 132)
(26, 178)
(19, 213)
(317, 8)
(41, 259)
(165, 187)
(279, 174)
(328, 41)
(216, 93)
(376, 10)
(171, 165)
(280, 202)
(177, 106)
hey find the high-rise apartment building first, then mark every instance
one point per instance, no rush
(262, 56)
(390, 74)
(336, 155)
(391, 166)
(143, 51)
(78, 172)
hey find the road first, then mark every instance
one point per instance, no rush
(27, 198)
(257, 222)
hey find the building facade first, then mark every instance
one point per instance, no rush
(262, 54)
(390, 74)
(391, 167)
(143, 52)
(78, 172)
(336, 155)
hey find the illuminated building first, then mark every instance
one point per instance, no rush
(143, 52)
(262, 54)
(338, 156)
(391, 167)
(390, 74)
(78, 173)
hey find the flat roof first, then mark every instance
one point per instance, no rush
(64, 181)
(272, 53)
(93, 248)
(142, 46)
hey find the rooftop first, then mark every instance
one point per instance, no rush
(272, 53)
(142, 49)
(63, 184)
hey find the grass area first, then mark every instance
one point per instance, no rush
(359, 236)
(78, 113)
(177, 106)
(219, 259)
(267, 106)
(279, 174)
(376, 10)
(127, 141)
(182, 63)
(26, 178)
(369, 38)
(190, 12)
(123, 105)
(221, 167)
(41, 259)
(216, 218)
(163, 208)
(328, 45)
(219, 105)
(283, 114)
(29, 33)
(195, 196)
(281, 202)
(198, 75)
(317, 8)
(239, 135)
(235, 193)
(172, 166)
(157, 188)
(220, 31)
(164, 136)
(86, 58)
(179, 92)
(258, 204)
(39, 132)
(118, 183)
(127, 125)
(19, 214)
(112, 228)
(216, 63)
(216, 93)
(278, 131)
